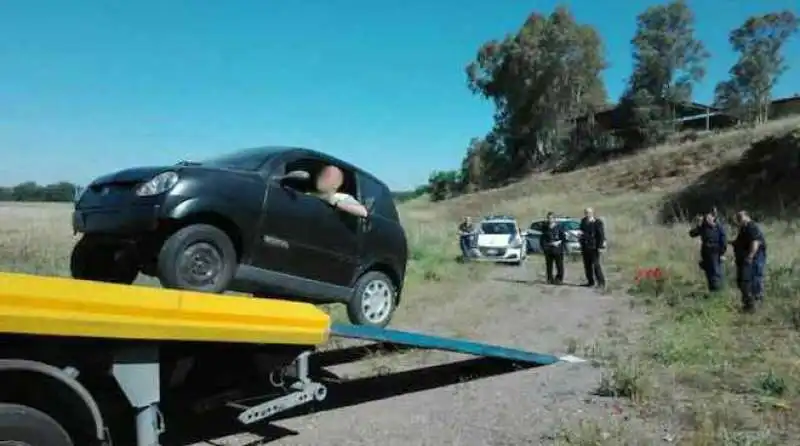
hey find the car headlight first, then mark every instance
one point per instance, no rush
(516, 243)
(158, 184)
(78, 194)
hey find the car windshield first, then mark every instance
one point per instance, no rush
(246, 159)
(538, 225)
(571, 225)
(498, 228)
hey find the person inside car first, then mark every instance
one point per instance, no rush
(329, 181)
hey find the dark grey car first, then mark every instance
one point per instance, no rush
(245, 222)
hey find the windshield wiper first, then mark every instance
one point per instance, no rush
(188, 163)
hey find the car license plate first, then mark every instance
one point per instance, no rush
(491, 252)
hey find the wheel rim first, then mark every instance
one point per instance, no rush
(376, 301)
(200, 264)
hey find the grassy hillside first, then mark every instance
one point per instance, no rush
(724, 378)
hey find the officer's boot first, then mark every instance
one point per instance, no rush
(748, 303)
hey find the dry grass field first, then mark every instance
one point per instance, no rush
(708, 373)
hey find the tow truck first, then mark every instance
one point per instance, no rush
(76, 354)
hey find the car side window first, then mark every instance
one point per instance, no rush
(377, 198)
(314, 167)
(537, 226)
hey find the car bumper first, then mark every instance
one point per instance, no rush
(126, 220)
(499, 255)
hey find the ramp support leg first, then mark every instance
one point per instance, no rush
(136, 370)
(302, 390)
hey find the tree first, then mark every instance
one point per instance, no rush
(30, 191)
(667, 61)
(759, 42)
(539, 79)
(444, 185)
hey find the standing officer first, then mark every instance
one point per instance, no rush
(713, 244)
(553, 240)
(750, 251)
(593, 239)
(466, 235)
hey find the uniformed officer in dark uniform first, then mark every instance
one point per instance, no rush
(713, 244)
(553, 241)
(750, 251)
(592, 240)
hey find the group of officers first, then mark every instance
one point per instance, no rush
(592, 241)
(749, 252)
(553, 242)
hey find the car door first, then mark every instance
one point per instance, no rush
(533, 235)
(302, 235)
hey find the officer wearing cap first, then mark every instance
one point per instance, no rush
(713, 244)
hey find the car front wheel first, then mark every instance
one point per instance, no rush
(374, 300)
(23, 425)
(102, 260)
(197, 257)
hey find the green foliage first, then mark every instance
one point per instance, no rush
(539, 79)
(445, 184)
(759, 42)
(668, 60)
(30, 191)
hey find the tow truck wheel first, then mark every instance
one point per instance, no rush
(373, 302)
(97, 259)
(198, 257)
(26, 426)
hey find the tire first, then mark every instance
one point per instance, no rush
(28, 426)
(212, 251)
(381, 288)
(99, 259)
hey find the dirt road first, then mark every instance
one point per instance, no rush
(511, 307)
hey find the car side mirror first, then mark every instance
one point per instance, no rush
(295, 175)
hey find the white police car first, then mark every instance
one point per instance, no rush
(500, 240)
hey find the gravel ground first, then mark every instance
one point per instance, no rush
(511, 307)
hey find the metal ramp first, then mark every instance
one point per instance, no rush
(419, 340)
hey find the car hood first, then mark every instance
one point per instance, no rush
(495, 240)
(132, 175)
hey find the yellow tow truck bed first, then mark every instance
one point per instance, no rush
(66, 307)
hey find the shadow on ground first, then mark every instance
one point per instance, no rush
(188, 428)
(763, 181)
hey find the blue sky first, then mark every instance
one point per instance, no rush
(87, 87)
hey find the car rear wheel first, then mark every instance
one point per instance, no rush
(25, 426)
(197, 257)
(374, 300)
(102, 260)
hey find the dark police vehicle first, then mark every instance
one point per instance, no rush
(246, 222)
